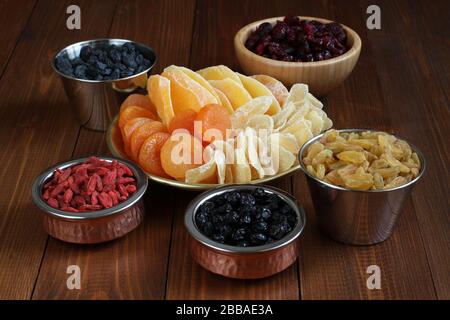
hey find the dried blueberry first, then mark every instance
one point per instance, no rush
(239, 234)
(260, 226)
(85, 53)
(258, 238)
(247, 200)
(80, 71)
(233, 198)
(207, 228)
(218, 237)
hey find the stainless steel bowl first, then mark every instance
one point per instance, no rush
(94, 226)
(96, 102)
(358, 217)
(244, 262)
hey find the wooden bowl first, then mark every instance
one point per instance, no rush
(321, 76)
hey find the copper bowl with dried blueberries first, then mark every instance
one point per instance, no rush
(297, 49)
(245, 231)
(90, 200)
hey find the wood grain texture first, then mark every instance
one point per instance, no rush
(35, 130)
(135, 266)
(187, 280)
(423, 119)
(14, 21)
(401, 84)
(330, 270)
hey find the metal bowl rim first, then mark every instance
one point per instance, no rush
(200, 237)
(142, 183)
(314, 139)
(85, 42)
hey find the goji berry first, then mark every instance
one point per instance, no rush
(93, 185)
(68, 194)
(53, 203)
(105, 200)
(131, 188)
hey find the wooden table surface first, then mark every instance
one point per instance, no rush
(400, 84)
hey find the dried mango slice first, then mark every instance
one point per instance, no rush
(219, 72)
(224, 101)
(278, 89)
(257, 89)
(158, 88)
(199, 79)
(187, 93)
(235, 92)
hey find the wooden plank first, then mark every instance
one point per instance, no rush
(187, 280)
(415, 75)
(14, 21)
(213, 44)
(330, 270)
(135, 266)
(36, 132)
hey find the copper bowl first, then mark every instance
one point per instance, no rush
(244, 262)
(94, 226)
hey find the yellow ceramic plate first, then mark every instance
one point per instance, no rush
(115, 145)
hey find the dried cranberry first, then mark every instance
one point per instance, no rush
(252, 40)
(264, 29)
(279, 32)
(298, 40)
(276, 50)
(319, 56)
(292, 20)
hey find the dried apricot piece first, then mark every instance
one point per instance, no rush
(149, 155)
(181, 153)
(213, 116)
(138, 100)
(183, 120)
(129, 128)
(134, 112)
(141, 134)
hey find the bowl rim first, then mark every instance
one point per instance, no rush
(355, 48)
(36, 191)
(189, 220)
(87, 42)
(115, 150)
(329, 185)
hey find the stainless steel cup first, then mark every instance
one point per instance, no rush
(96, 102)
(354, 216)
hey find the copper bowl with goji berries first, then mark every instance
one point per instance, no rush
(91, 200)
